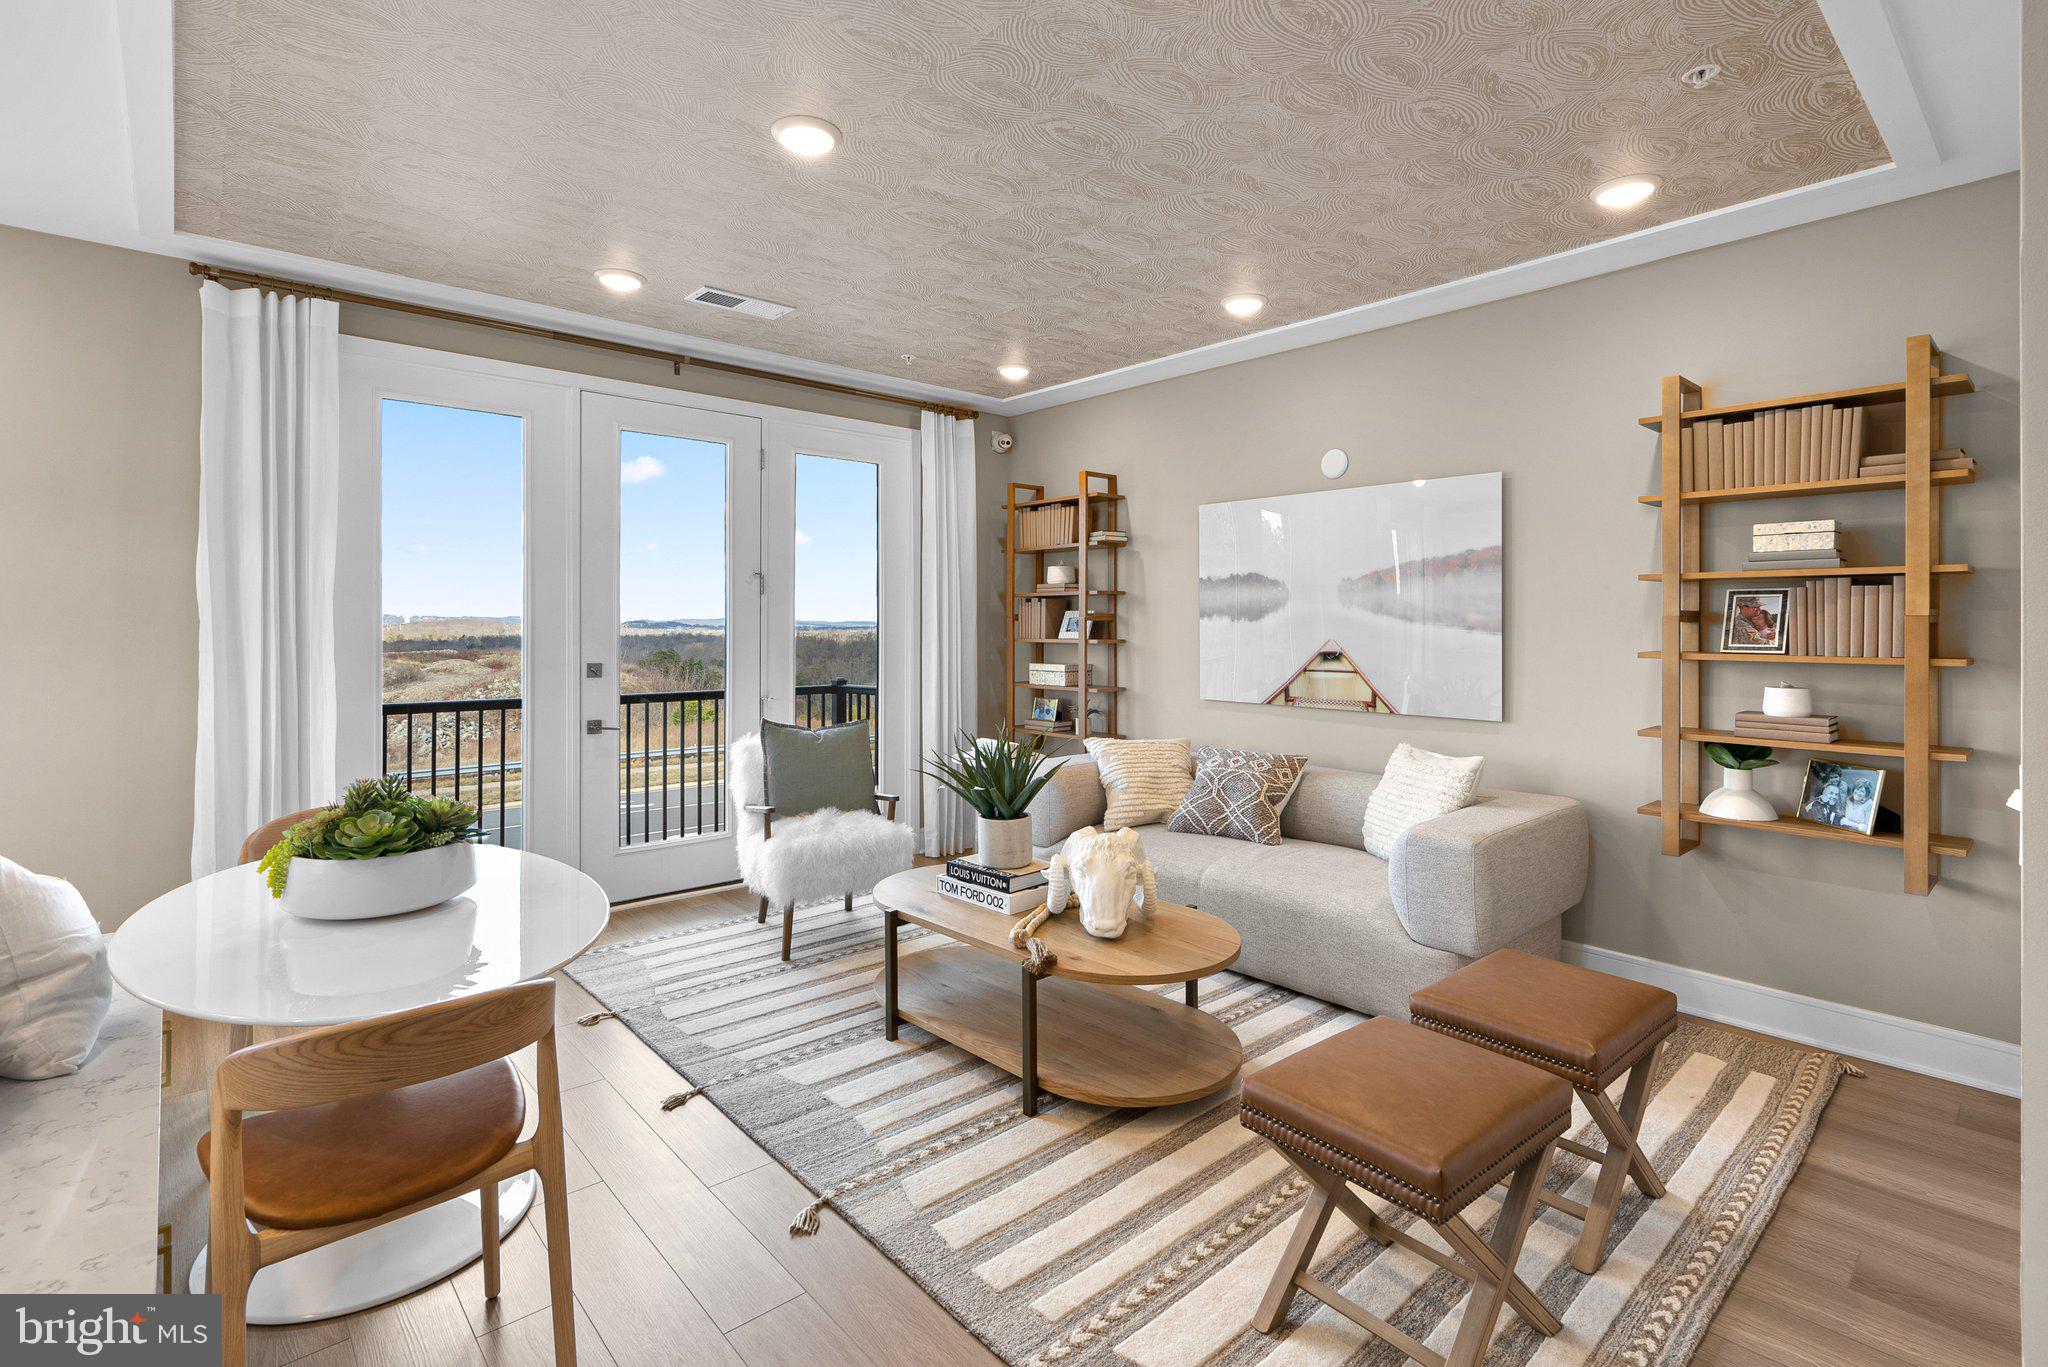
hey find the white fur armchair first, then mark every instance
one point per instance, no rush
(809, 858)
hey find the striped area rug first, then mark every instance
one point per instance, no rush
(1147, 1237)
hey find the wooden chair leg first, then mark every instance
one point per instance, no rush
(1301, 1247)
(1494, 1261)
(788, 925)
(1624, 1158)
(761, 914)
(849, 904)
(488, 1199)
(551, 1168)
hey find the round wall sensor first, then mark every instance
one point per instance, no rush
(1335, 463)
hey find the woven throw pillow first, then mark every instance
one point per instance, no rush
(1238, 794)
(1417, 785)
(1144, 780)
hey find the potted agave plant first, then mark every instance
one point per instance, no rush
(1737, 798)
(998, 778)
(384, 850)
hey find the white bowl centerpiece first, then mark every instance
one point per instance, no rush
(383, 851)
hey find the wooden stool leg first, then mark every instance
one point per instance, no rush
(1635, 1099)
(1301, 1247)
(788, 925)
(1624, 1156)
(1494, 1262)
(488, 1197)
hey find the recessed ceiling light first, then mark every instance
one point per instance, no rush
(1014, 373)
(1244, 305)
(1626, 192)
(621, 282)
(805, 135)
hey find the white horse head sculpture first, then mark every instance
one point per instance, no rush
(1107, 871)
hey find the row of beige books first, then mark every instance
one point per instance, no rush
(1841, 617)
(1776, 446)
(1037, 618)
(1040, 529)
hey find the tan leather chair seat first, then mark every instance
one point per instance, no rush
(352, 1160)
(1585, 1026)
(1424, 1120)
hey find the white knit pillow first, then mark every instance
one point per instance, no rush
(1417, 785)
(1144, 780)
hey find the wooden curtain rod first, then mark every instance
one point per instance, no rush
(228, 276)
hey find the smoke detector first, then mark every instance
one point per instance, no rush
(1700, 76)
(733, 302)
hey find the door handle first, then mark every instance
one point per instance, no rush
(594, 727)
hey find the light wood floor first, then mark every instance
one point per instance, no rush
(1898, 1242)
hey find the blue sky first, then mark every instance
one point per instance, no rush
(453, 522)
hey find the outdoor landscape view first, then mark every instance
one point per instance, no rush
(453, 637)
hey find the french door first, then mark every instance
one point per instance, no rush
(670, 626)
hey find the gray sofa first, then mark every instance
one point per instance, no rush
(1318, 914)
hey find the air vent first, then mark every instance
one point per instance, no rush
(737, 303)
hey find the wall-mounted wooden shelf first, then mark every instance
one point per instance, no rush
(1845, 571)
(1097, 508)
(1881, 749)
(1950, 846)
(1681, 513)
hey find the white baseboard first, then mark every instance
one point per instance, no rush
(1974, 1060)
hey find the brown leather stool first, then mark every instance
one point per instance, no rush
(1586, 1027)
(1430, 1124)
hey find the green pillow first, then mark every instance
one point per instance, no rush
(813, 771)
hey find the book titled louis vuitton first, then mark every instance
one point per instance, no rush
(1032, 875)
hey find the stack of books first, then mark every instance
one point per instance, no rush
(1894, 465)
(1815, 730)
(1053, 588)
(1108, 539)
(1009, 891)
(1035, 619)
(1777, 446)
(1046, 528)
(1847, 618)
(1813, 545)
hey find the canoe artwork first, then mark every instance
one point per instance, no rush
(1333, 679)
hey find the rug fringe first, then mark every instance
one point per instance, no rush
(594, 1017)
(1852, 1070)
(682, 1098)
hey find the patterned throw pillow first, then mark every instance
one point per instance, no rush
(1238, 794)
(1144, 780)
(1417, 785)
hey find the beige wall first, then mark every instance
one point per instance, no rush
(1547, 388)
(99, 517)
(2034, 709)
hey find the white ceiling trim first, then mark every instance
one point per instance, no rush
(1935, 78)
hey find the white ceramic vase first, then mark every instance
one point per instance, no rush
(1737, 799)
(358, 889)
(1002, 844)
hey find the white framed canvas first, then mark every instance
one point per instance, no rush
(1381, 598)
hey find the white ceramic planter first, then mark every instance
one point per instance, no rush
(358, 889)
(1003, 844)
(1737, 798)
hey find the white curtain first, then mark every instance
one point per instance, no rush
(946, 454)
(269, 497)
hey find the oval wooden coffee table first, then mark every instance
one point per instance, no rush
(1086, 1029)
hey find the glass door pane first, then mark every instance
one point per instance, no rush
(453, 610)
(836, 644)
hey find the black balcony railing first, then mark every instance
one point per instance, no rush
(672, 773)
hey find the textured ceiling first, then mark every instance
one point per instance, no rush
(1073, 184)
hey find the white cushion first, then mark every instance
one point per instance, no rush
(1417, 785)
(1145, 781)
(54, 983)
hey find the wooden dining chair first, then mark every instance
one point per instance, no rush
(270, 832)
(369, 1122)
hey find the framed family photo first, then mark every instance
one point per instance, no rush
(1844, 795)
(1753, 622)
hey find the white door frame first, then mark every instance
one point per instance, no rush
(553, 509)
(894, 453)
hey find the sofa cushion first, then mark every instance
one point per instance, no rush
(1144, 779)
(1329, 806)
(1180, 860)
(1417, 785)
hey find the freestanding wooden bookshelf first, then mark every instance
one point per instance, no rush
(1096, 508)
(1682, 655)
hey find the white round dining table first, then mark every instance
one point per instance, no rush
(222, 949)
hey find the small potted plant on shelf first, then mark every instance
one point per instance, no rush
(1737, 798)
(998, 778)
(384, 850)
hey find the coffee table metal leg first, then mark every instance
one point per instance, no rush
(889, 920)
(1029, 1064)
(1194, 991)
